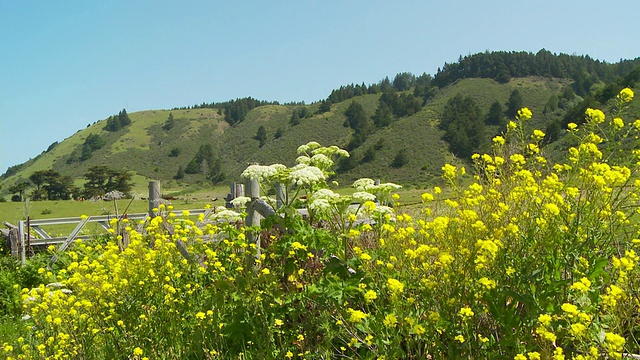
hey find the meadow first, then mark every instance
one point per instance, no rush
(522, 258)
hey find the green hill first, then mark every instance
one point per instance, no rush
(152, 147)
(144, 147)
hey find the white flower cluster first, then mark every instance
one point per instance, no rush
(306, 175)
(368, 185)
(321, 200)
(326, 194)
(303, 159)
(320, 205)
(388, 187)
(314, 154)
(262, 172)
(363, 196)
(383, 210)
(310, 146)
(321, 161)
(223, 214)
(364, 184)
(113, 195)
(331, 150)
(240, 201)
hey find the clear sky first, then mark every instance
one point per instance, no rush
(65, 64)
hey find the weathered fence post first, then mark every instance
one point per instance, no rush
(236, 191)
(230, 196)
(239, 191)
(252, 190)
(22, 243)
(13, 239)
(154, 196)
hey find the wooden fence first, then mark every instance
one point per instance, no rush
(22, 237)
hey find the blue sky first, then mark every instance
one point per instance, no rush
(65, 64)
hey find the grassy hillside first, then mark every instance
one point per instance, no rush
(144, 147)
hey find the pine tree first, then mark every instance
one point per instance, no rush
(514, 104)
(495, 116)
(401, 159)
(261, 135)
(295, 118)
(463, 124)
(170, 123)
(180, 174)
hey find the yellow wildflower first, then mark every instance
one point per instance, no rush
(625, 95)
(534, 355)
(465, 312)
(395, 286)
(390, 320)
(618, 123)
(570, 309)
(544, 319)
(537, 135)
(370, 295)
(594, 115)
(524, 114)
(356, 315)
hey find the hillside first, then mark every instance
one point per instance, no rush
(157, 143)
(143, 148)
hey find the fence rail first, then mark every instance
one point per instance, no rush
(25, 240)
(21, 240)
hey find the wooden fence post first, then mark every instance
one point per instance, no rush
(230, 196)
(154, 196)
(252, 190)
(15, 243)
(22, 242)
(239, 191)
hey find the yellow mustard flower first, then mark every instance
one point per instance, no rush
(395, 286)
(524, 114)
(625, 95)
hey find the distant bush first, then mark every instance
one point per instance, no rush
(175, 152)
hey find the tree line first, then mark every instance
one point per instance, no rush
(234, 111)
(502, 66)
(51, 185)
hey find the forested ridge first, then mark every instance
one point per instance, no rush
(502, 66)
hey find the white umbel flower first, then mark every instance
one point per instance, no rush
(363, 184)
(363, 196)
(225, 215)
(321, 161)
(307, 175)
(325, 194)
(240, 201)
(259, 172)
(319, 205)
